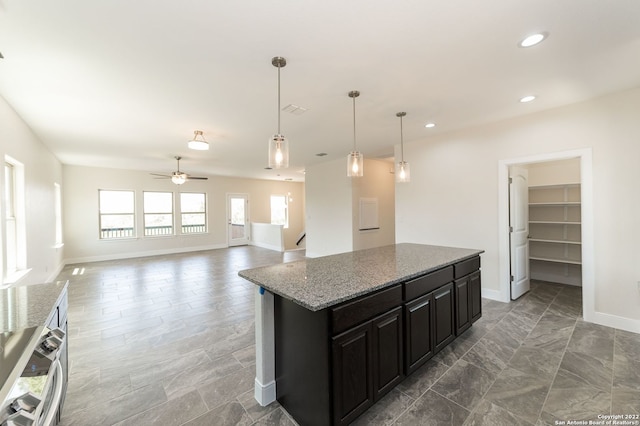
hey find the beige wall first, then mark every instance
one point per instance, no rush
(333, 201)
(41, 170)
(377, 183)
(81, 185)
(453, 196)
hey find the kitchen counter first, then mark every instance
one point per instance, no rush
(29, 305)
(336, 333)
(318, 283)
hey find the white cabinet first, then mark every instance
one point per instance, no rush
(555, 250)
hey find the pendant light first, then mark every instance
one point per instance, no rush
(403, 173)
(355, 159)
(278, 144)
(198, 142)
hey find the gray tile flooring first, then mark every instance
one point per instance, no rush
(169, 340)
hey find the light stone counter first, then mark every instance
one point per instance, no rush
(27, 306)
(318, 283)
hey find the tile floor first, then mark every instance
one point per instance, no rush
(169, 340)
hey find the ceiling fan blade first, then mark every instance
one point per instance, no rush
(197, 178)
(161, 176)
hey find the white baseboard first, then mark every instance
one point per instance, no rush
(142, 254)
(265, 394)
(267, 246)
(626, 324)
(488, 293)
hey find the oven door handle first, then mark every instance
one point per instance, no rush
(49, 418)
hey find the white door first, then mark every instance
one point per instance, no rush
(519, 230)
(238, 219)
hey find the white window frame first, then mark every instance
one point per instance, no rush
(14, 260)
(184, 212)
(160, 232)
(286, 210)
(124, 233)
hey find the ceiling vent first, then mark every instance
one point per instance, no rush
(295, 109)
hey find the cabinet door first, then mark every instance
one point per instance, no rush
(387, 352)
(475, 296)
(352, 373)
(418, 316)
(463, 312)
(443, 316)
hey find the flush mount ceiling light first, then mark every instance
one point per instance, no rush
(533, 39)
(355, 160)
(527, 98)
(278, 144)
(198, 142)
(403, 173)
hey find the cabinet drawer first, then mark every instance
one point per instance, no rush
(427, 283)
(466, 267)
(363, 309)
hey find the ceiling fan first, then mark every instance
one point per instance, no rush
(178, 177)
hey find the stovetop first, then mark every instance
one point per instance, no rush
(13, 344)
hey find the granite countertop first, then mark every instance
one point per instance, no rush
(27, 306)
(318, 283)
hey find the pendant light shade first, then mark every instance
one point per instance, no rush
(198, 142)
(278, 144)
(403, 172)
(355, 159)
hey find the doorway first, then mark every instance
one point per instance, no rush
(587, 245)
(237, 219)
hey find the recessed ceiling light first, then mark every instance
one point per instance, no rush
(430, 125)
(526, 99)
(533, 39)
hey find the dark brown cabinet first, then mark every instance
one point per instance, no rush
(444, 331)
(468, 293)
(418, 319)
(463, 313)
(367, 363)
(333, 364)
(352, 373)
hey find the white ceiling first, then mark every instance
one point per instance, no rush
(123, 84)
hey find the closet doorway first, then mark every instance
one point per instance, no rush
(560, 222)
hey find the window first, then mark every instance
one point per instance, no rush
(15, 238)
(193, 209)
(58, 213)
(117, 213)
(158, 213)
(279, 210)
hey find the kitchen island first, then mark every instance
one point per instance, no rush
(336, 333)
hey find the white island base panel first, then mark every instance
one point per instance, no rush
(265, 383)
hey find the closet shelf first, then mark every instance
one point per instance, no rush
(554, 222)
(554, 260)
(544, 240)
(556, 203)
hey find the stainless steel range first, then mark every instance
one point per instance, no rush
(33, 370)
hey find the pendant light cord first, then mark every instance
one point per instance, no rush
(278, 99)
(354, 123)
(401, 142)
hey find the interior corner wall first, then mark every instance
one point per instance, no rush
(42, 170)
(452, 197)
(80, 194)
(378, 182)
(328, 195)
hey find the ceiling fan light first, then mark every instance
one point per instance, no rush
(178, 178)
(198, 142)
